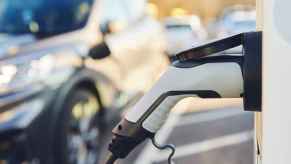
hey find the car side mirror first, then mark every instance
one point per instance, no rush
(251, 63)
(99, 51)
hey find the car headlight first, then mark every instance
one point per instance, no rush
(24, 73)
(7, 73)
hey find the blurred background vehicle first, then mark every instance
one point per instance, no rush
(233, 20)
(183, 32)
(54, 99)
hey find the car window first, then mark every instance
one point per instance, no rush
(43, 17)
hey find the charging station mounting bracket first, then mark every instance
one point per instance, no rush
(251, 43)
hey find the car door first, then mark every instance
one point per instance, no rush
(134, 41)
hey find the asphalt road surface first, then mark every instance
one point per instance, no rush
(211, 133)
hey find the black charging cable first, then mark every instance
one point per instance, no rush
(164, 147)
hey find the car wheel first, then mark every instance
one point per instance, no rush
(78, 137)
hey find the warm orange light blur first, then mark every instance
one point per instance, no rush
(178, 12)
(153, 10)
(206, 9)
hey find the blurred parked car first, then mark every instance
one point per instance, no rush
(53, 98)
(183, 32)
(234, 20)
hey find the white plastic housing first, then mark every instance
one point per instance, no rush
(275, 132)
(224, 78)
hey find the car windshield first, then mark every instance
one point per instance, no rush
(43, 17)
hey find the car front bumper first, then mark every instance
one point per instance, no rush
(22, 126)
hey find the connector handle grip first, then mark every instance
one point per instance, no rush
(222, 79)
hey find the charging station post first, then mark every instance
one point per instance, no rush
(273, 126)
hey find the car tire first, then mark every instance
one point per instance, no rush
(77, 137)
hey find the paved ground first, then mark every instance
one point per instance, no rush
(221, 134)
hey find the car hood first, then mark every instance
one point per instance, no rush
(10, 44)
(15, 46)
